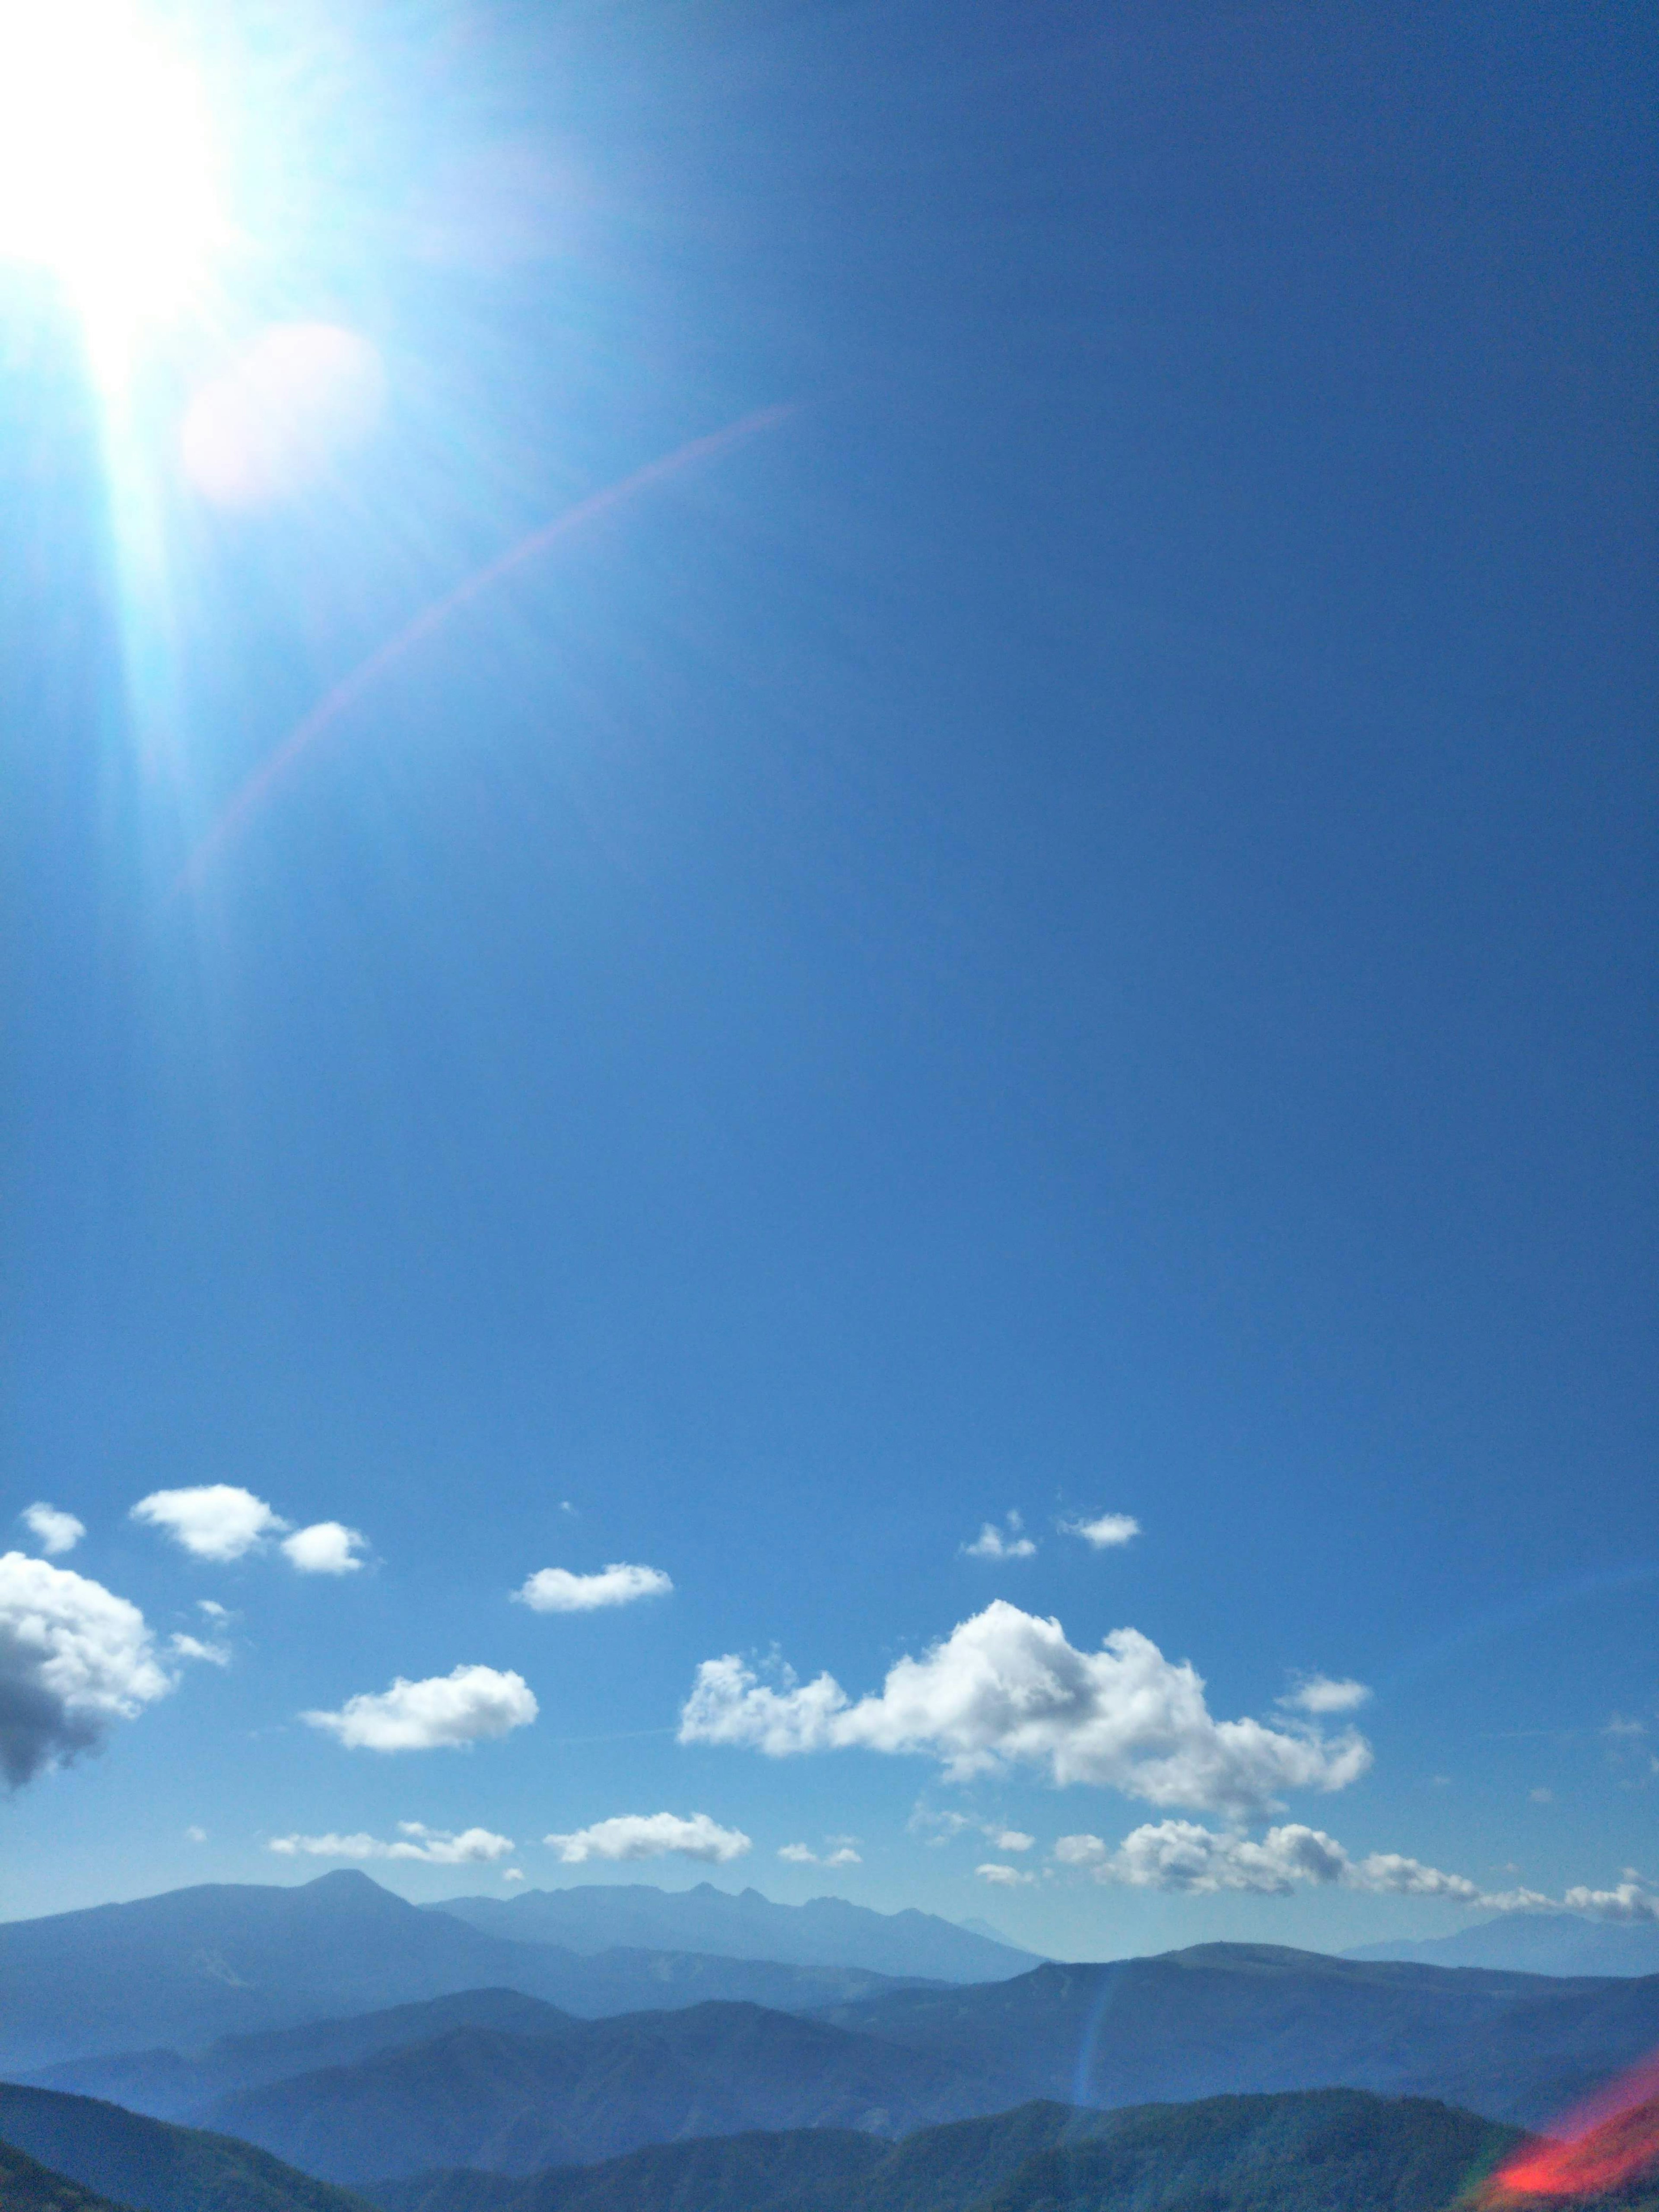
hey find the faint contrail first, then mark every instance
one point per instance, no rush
(351, 688)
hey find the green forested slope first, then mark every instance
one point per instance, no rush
(26, 2186)
(152, 2166)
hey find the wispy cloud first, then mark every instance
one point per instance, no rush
(1106, 1531)
(1004, 1689)
(467, 1705)
(555, 1589)
(992, 1544)
(651, 1836)
(1319, 1695)
(431, 1846)
(841, 1854)
(55, 1531)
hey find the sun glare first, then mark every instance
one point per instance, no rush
(107, 163)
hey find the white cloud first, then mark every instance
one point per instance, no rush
(1631, 1900)
(992, 1544)
(1006, 1688)
(1319, 1695)
(327, 1547)
(74, 1659)
(215, 1521)
(1011, 1839)
(462, 1707)
(1004, 1877)
(555, 1589)
(191, 1647)
(213, 1609)
(55, 1532)
(1105, 1531)
(1179, 1854)
(651, 1836)
(195, 1835)
(431, 1846)
(513, 1874)
(802, 1855)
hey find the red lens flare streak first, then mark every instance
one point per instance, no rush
(1612, 2138)
(245, 802)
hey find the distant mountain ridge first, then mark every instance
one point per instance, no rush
(1221, 2019)
(1308, 2151)
(1536, 1943)
(194, 1966)
(826, 1931)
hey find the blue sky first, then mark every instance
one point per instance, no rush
(1061, 926)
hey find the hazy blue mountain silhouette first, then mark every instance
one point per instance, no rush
(1251, 2018)
(150, 2166)
(594, 2088)
(827, 1931)
(1221, 2019)
(184, 1969)
(1536, 1943)
(28, 2186)
(1304, 2152)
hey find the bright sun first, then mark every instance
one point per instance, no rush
(107, 163)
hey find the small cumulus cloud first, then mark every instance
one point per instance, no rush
(191, 1647)
(1318, 1695)
(842, 1852)
(74, 1659)
(429, 1846)
(555, 1589)
(1011, 1839)
(1004, 1877)
(1106, 1531)
(55, 1531)
(220, 1521)
(651, 1836)
(992, 1544)
(468, 1705)
(213, 1610)
(513, 1874)
(216, 1520)
(327, 1547)
(1006, 1688)
(195, 1835)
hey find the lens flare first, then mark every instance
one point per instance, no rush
(1610, 2139)
(107, 171)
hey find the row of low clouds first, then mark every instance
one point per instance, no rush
(1004, 1690)
(1106, 1531)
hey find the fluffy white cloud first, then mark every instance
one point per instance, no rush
(1631, 1901)
(462, 1707)
(555, 1589)
(1011, 1839)
(651, 1836)
(73, 1658)
(1006, 1689)
(431, 1846)
(1179, 1854)
(1318, 1694)
(327, 1547)
(802, 1855)
(992, 1544)
(55, 1532)
(215, 1521)
(1004, 1877)
(1105, 1531)
(191, 1647)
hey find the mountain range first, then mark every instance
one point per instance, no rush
(827, 1931)
(146, 2164)
(188, 1967)
(1536, 1943)
(1318, 2150)
(497, 2080)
